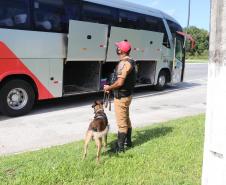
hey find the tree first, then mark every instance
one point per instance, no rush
(214, 165)
(201, 37)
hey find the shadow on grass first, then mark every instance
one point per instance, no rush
(140, 137)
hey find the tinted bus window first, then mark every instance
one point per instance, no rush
(174, 27)
(14, 14)
(179, 50)
(72, 12)
(153, 24)
(49, 15)
(98, 13)
(157, 25)
(165, 38)
(128, 19)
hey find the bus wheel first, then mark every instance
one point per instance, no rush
(162, 80)
(17, 98)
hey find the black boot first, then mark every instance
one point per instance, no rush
(128, 141)
(118, 146)
(121, 142)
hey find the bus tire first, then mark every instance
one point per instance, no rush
(17, 98)
(162, 81)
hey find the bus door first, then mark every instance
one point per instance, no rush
(87, 41)
(178, 61)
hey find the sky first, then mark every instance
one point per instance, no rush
(200, 10)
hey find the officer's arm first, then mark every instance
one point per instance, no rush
(119, 83)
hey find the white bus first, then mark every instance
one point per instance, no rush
(58, 48)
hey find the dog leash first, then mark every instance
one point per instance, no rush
(107, 100)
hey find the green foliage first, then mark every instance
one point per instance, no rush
(164, 154)
(201, 37)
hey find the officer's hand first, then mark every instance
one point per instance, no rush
(107, 88)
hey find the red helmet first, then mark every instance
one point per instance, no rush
(124, 46)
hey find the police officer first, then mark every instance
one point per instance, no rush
(122, 88)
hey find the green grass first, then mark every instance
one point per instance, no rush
(203, 56)
(197, 61)
(165, 154)
(199, 58)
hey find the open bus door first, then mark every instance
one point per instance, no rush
(179, 60)
(179, 55)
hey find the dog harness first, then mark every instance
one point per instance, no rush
(101, 115)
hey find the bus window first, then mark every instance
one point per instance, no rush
(49, 15)
(174, 27)
(152, 24)
(97, 13)
(165, 38)
(14, 14)
(155, 24)
(72, 12)
(128, 19)
(179, 50)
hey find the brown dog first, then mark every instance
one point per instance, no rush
(98, 129)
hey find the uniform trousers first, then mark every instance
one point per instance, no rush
(122, 113)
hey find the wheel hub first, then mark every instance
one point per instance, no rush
(162, 80)
(17, 98)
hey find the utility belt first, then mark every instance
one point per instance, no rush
(118, 94)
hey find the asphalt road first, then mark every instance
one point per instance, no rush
(65, 120)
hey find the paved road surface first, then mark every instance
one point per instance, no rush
(61, 121)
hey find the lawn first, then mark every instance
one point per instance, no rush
(164, 154)
(197, 61)
(198, 57)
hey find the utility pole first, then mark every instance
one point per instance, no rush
(188, 22)
(214, 163)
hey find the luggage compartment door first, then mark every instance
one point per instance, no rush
(147, 45)
(87, 41)
(151, 45)
(119, 34)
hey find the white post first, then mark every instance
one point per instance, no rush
(214, 164)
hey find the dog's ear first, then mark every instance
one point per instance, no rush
(94, 104)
